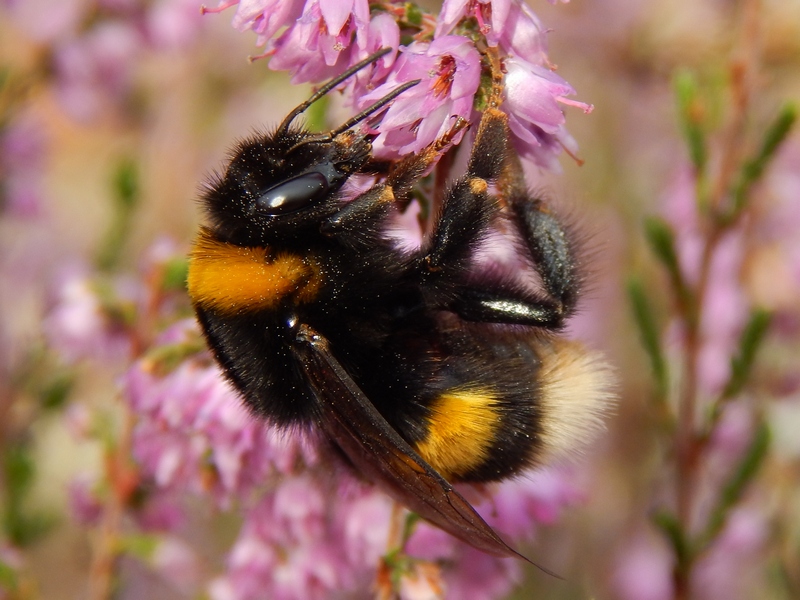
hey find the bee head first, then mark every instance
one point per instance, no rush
(277, 185)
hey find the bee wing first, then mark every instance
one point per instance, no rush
(378, 451)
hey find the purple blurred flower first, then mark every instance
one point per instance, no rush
(539, 497)
(172, 23)
(46, 21)
(85, 507)
(96, 66)
(478, 576)
(643, 571)
(78, 326)
(284, 550)
(533, 98)
(178, 563)
(449, 68)
(729, 568)
(22, 157)
(193, 432)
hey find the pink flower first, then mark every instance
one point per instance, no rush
(179, 564)
(97, 66)
(172, 23)
(79, 327)
(643, 571)
(731, 567)
(264, 17)
(537, 497)
(478, 576)
(449, 68)
(534, 96)
(285, 551)
(492, 16)
(85, 506)
(194, 434)
(22, 156)
(316, 46)
(525, 36)
(511, 24)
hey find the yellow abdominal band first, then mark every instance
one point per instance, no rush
(461, 431)
(234, 279)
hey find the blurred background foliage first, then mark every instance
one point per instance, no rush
(686, 93)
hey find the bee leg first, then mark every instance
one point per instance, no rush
(465, 217)
(359, 221)
(468, 207)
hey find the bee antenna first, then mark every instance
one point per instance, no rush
(355, 120)
(332, 84)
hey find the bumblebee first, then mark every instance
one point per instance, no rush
(421, 367)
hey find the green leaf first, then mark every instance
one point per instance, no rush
(175, 273)
(316, 115)
(125, 185)
(749, 343)
(649, 332)
(734, 488)
(8, 578)
(753, 169)
(56, 390)
(413, 14)
(140, 545)
(18, 470)
(691, 113)
(662, 240)
(672, 528)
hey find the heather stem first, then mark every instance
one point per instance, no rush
(688, 445)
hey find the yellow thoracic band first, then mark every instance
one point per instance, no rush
(235, 279)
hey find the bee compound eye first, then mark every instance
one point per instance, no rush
(293, 194)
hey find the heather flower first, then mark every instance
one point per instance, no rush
(177, 562)
(85, 506)
(533, 98)
(79, 326)
(383, 32)
(193, 432)
(284, 550)
(449, 69)
(491, 15)
(22, 158)
(643, 571)
(316, 47)
(511, 24)
(478, 576)
(524, 36)
(539, 497)
(265, 17)
(96, 66)
(172, 23)
(737, 550)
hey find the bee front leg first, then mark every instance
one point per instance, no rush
(465, 218)
(359, 222)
